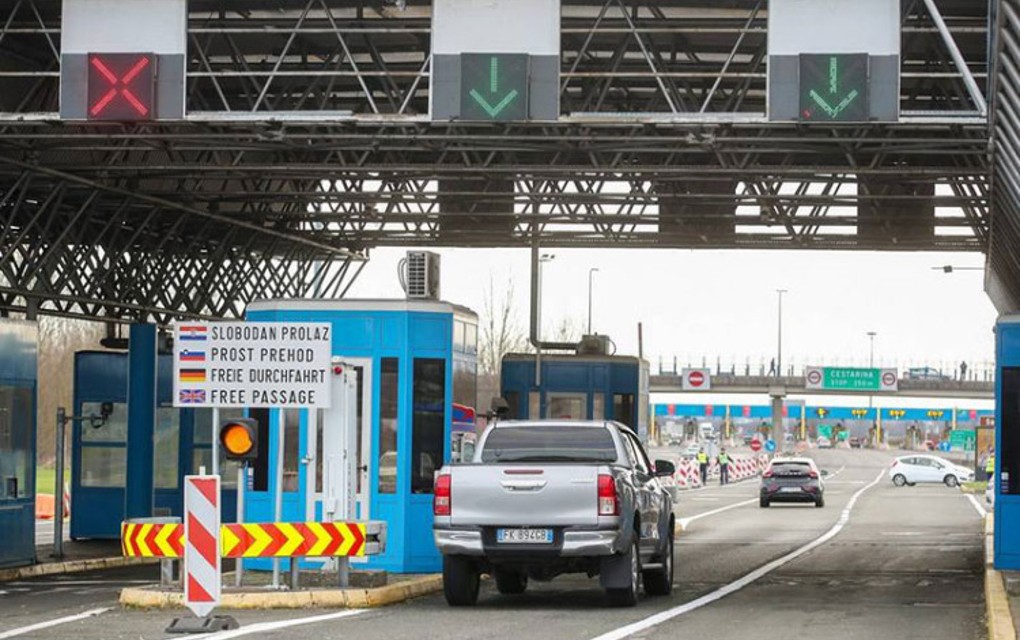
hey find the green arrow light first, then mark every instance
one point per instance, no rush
(490, 108)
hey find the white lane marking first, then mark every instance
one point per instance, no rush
(740, 583)
(977, 505)
(683, 522)
(76, 583)
(686, 521)
(262, 627)
(20, 631)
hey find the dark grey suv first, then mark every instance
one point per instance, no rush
(792, 480)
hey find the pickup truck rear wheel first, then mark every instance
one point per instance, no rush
(659, 582)
(510, 582)
(628, 596)
(460, 581)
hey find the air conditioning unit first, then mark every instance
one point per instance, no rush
(421, 275)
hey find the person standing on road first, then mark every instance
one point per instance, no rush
(703, 465)
(724, 467)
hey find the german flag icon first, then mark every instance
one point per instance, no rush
(192, 375)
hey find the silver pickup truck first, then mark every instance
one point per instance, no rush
(550, 497)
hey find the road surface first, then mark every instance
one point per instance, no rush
(877, 562)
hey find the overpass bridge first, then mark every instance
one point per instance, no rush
(795, 385)
(307, 136)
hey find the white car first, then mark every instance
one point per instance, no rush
(909, 470)
(824, 443)
(691, 451)
(990, 495)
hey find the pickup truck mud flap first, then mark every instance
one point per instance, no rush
(614, 571)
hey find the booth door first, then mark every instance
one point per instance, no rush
(332, 434)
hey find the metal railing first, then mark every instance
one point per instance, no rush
(760, 366)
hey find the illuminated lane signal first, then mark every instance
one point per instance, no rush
(121, 86)
(834, 88)
(239, 438)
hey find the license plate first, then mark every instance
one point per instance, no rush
(790, 490)
(524, 536)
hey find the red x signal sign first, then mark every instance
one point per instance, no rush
(121, 86)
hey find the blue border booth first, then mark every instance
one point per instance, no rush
(181, 443)
(18, 357)
(578, 387)
(1006, 477)
(413, 360)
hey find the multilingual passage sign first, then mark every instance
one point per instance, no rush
(252, 364)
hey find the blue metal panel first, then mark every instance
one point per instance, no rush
(18, 456)
(138, 495)
(1007, 507)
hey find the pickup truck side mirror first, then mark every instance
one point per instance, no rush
(499, 407)
(825, 472)
(664, 468)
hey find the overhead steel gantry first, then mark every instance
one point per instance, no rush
(307, 141)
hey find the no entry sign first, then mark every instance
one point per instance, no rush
(697, 379)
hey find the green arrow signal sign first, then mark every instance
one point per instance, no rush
(834, 87)
(494, 86)
(493, 109)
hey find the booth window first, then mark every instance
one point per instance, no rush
(15, 442)
(201, 453)
(623, 408)
(428, 428)
(291, 445)
(389, 381)
(103, 448)
(1008, 460)
(166, 448)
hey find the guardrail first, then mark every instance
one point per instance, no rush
(976, 370)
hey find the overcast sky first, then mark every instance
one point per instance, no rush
(696, 304)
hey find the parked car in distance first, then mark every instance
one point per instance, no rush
(910, 470)
(924, 373)
(824, 443)
(691, 450)
(791, 480)
(550, 497)
(990, 495)
(855, 442)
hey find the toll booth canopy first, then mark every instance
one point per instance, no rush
(578, 387)
(413, 359)
(18, 341)
(182, 444)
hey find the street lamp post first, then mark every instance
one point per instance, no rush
(871, 361)
(779, 349)
(591, 272)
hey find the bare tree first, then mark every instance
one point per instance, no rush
(502, 332)
(568, 330)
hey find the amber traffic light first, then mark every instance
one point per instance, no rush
(239, 438)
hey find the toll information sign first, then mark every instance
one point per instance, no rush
(252, 364)
(850, 379)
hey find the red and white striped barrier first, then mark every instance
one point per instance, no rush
(688, 471)
(202, 543)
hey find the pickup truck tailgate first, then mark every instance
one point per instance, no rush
(525, 495)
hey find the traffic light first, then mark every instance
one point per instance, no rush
(239, 438)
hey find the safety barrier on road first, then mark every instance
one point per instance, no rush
(261, 540)
(146, 540)
(301, 539)
(688, 472)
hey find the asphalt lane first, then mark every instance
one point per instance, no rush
(907, 564)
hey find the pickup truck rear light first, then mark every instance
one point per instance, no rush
(813, 473)
(441, 499)
(768, 473)
(609, 502)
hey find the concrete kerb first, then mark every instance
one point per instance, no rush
(70, 566)
(1000, 619)
(326, 598)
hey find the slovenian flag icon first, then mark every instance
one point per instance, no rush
(192, 356)
(193, 332)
